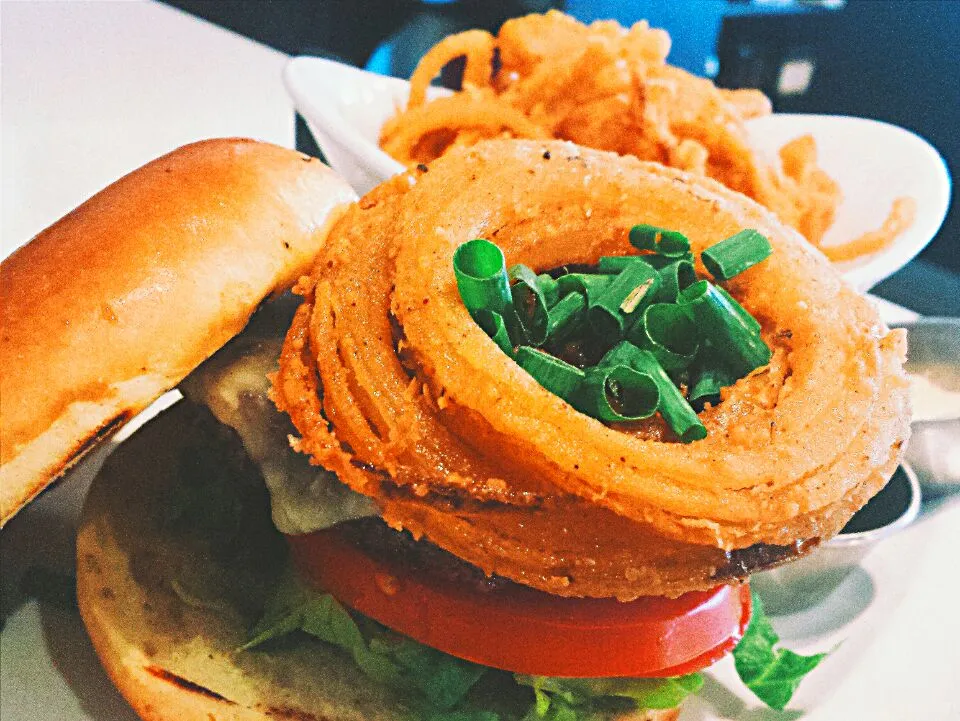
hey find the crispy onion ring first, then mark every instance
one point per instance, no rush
(393, 386)
(608, 87)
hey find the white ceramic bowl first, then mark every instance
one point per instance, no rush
(803, 583)
(934, 449)
(874, 162)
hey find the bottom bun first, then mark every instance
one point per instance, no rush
(173, 652)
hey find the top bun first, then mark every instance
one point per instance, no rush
(119, 300)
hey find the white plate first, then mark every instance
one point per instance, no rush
(873, 162)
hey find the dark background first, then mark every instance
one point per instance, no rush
(893, 61)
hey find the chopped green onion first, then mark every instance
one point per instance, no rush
(616, 263)
(659, 262)
(623, 353)
(566, 316)
(617, 393)
(669, 333)
(644, 237)
(735, 254)
(735, 341)
(674, 277)
(548, 286)
(708, 380)
(666, 242)
(494, 326)
(481, 273)
(529, 303)
(679, 330)
(558, 377)
(591, 286)
(673, 245)
(674, 408)
(626, 293)
(742, 312)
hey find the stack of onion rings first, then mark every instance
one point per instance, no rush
(392, 385)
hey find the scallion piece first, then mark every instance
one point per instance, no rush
(708, 380)
(669, 333)
(736, 253)
(549, 287)
(668, 243)
(659, 262)
(494, 326)
(628, 291)
(481, 273)
(557, 376)
(674, 277)
(742, 312)
(736, 342)
(529, 303)
(617, 393)
(591, 286)
(674, 408)
(673, 244)
(566, 316)
(614, 264)
(644, 237)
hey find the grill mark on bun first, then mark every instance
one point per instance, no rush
(55, 471)
(182, 683)
(102, 433)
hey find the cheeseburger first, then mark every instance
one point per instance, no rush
(510, 450)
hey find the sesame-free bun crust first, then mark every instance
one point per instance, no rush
(177, 661)
(119, 300)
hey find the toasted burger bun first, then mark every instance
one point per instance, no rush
(176, 660)
(120, 299)
(172, 660)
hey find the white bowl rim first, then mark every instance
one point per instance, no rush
(383, 164)
(928, 320)
(861, 274)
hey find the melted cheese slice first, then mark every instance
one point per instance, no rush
(233, 384)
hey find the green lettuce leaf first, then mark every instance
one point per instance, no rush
(550, 707)
(444, 681)
(556, 698)
(440, 685)
(773, 674)
(440, 681)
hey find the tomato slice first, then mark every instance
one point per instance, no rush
(524, 630)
